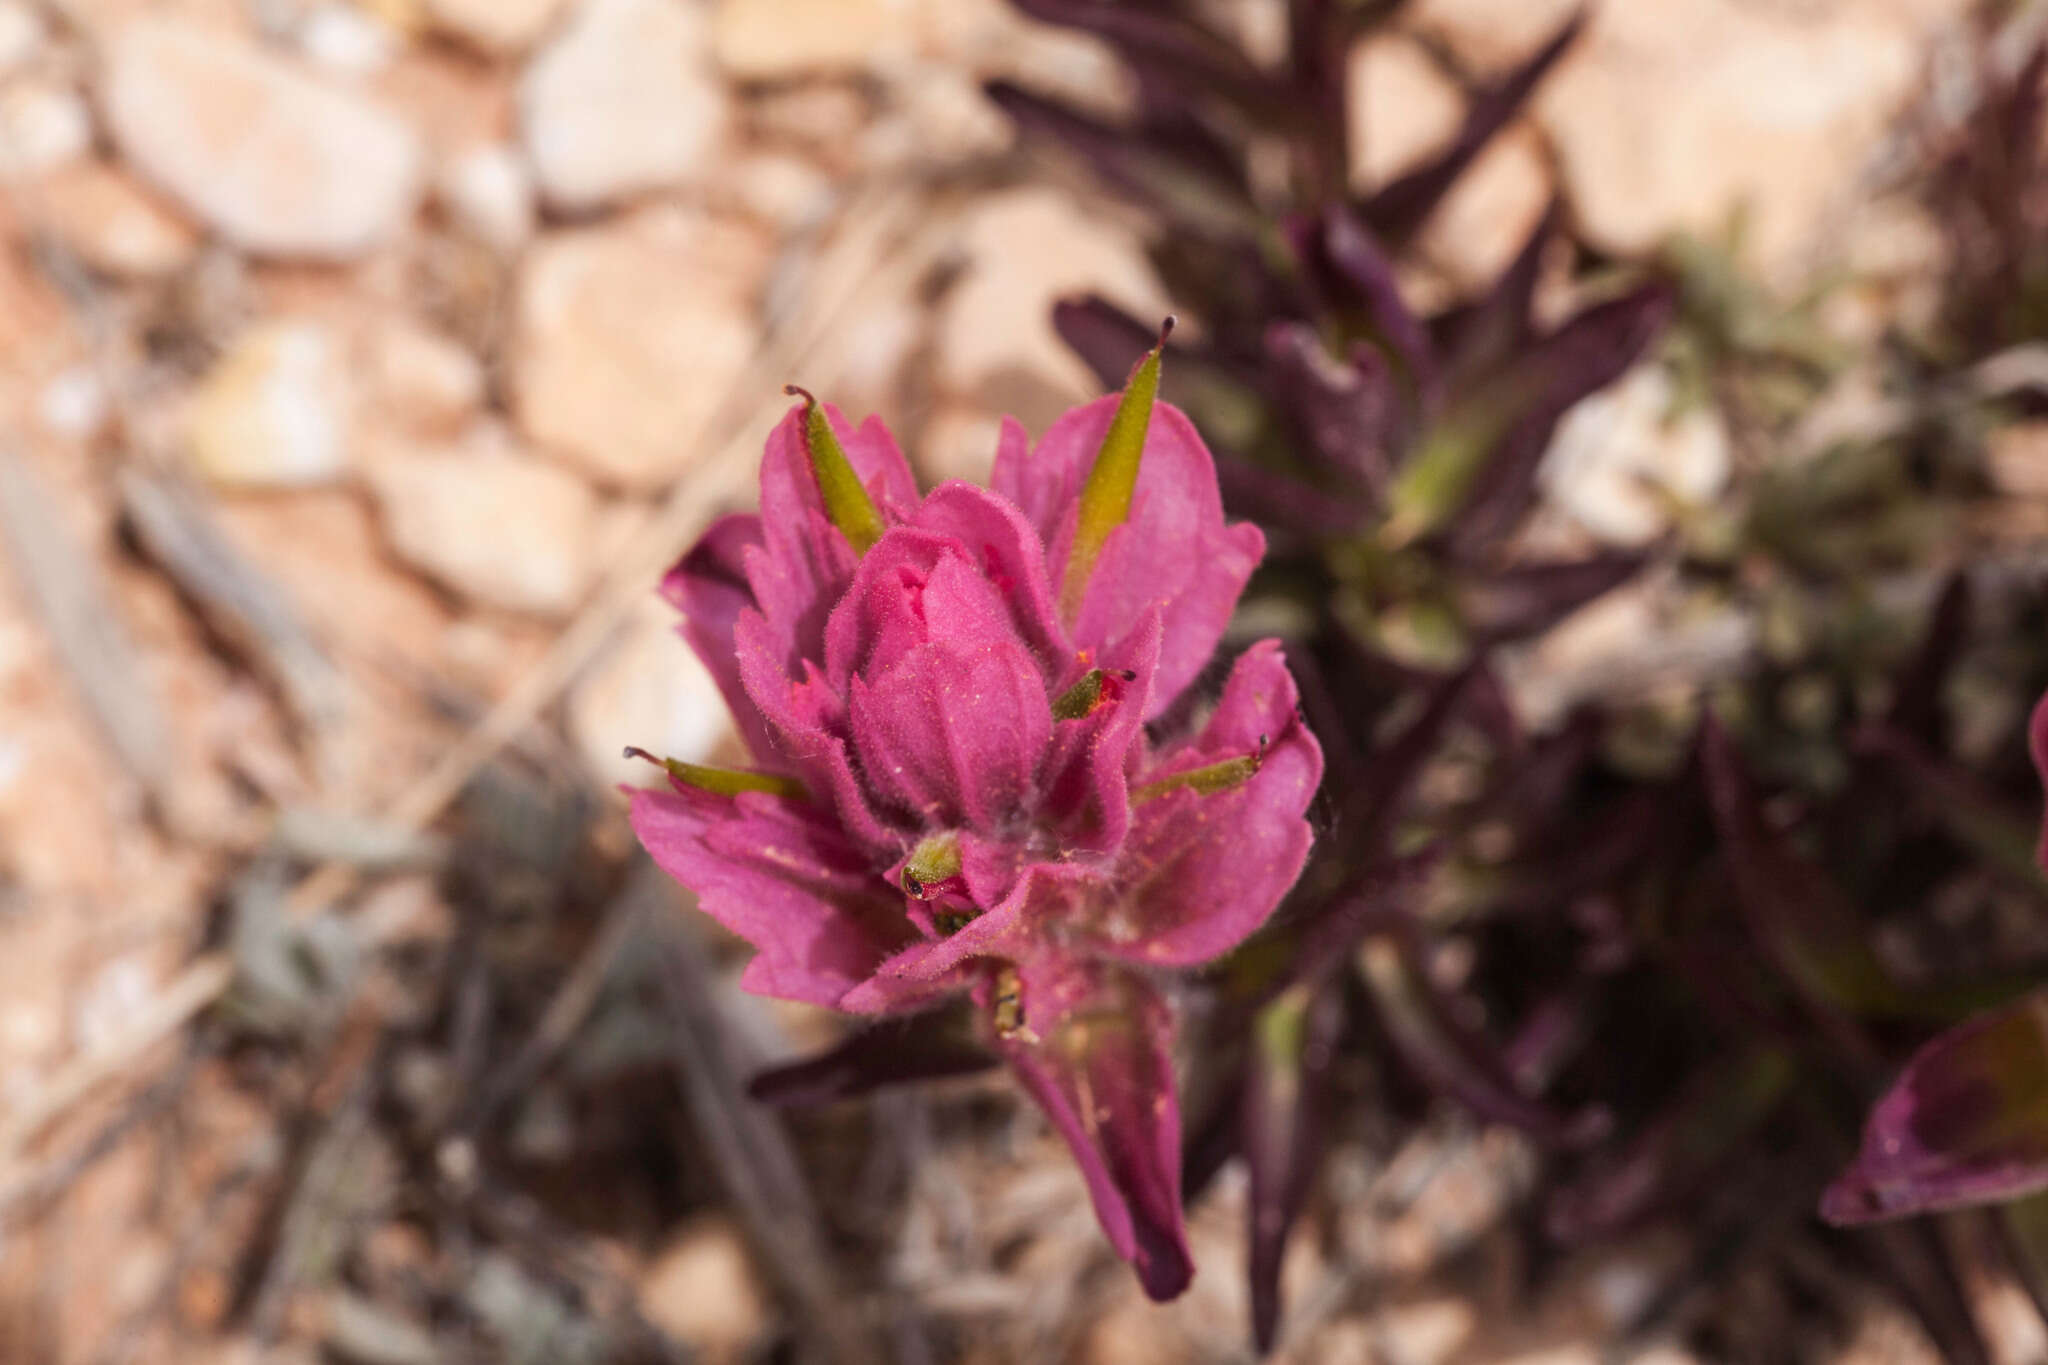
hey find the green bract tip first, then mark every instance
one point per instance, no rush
(1106, 497)
(846, 502)
(724, 781)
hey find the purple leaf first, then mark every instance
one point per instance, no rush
(1348, 413)
(1454, 1060)
(1343, 253)
(1674, 1152)
(1282, 1131)
(925, 1047)
(1965, 1123)
(1399, 209)
(1795, 912)
(1482, 336)
(1530, 598)
(1585, 355)
(1168, 49)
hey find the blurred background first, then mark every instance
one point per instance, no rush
(366, 361)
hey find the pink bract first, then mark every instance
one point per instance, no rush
(911, 691)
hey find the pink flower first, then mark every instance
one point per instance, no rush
(952, 701)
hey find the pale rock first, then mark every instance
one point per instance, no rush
(786, 191)
(501, 27)
(22, 33)
(766, 40)
(1401, 106)
(878, 346)
(42, 127)
(75, 404)
(274, 412)
(1424, 1332)
(1026, 248)
(958, 442)
(702, 1291)
(1491, 35)
(110, 223)
(347, 40)
(272, 158)
(1774, 112)
(648, 689)
(1486, 218)
(821, 118)
(422, 379)
(487, 192)
(621, 101)
(490, 522)
(1622, 457)
(627, 339)
(1630, 644)
(943, 118)
(1567, 1353)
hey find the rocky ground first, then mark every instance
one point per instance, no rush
(363, 363)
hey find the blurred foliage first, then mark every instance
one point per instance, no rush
(1698, 926)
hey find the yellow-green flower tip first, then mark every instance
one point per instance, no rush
(932, 861)
(1205, 781)
(724, 781)
(847, 503)
(1106, 496)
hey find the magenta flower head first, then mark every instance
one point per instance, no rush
(972, 774)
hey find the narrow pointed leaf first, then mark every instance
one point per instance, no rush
(1799, 917)
(1479, 338)
(1708, 1125)
(1580, 358)
(1283, 1131)
(924, 1047)
(1195, 194)
(1399, 209)
(1454, 1061)
(1916, 708)
(1530, 598)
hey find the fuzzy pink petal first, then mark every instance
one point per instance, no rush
(914, 585)
(954, 732)
(1210, 868)
(1047, 893)
(806, 721)
(779, 874)
(1096, 1052)
(1174, 552)
(709, 587)
(1002, 541)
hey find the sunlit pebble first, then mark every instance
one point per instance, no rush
(344, 38)
(41, 128)
(74, 404)
(112, 998)
(488, 191)
(21, 34)
(13, 760)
